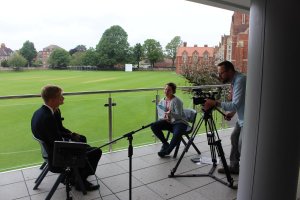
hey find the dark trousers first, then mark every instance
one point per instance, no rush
(93, 158)
(235, 146)
(177, 129)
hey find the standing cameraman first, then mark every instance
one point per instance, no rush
(227, 74)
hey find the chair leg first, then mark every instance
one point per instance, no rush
(176, 150)
(193, 144)
(43, 165)
(53, 189)
(41, 177)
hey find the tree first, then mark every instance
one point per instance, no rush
(59, 58)
(138, 53)
(200, 74)
(90, 58)
(28, 52)
(77, 59)
(153, 51)
(4, 63)
(113, 46)
(171, 48)
(17, 60)
(37, 63)
(78, 48)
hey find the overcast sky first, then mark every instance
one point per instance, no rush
(68, 23)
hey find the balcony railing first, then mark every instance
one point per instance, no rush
(100, 115)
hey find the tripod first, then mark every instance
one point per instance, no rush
(130, 152)
(215, 145)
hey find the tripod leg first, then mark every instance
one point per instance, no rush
(224, 162)
(191, 141)
(211, 143)
(181, 156)
(222, 155)
(79, 180)
(211, 138)
(57, 182)
(68, 188)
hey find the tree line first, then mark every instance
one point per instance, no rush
(112, 50)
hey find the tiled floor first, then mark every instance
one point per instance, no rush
(150, 179)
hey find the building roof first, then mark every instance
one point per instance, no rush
(4, 51)
(51, 47)
(191, 50)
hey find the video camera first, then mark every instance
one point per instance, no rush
(200, 96)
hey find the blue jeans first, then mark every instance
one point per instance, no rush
(178, 129)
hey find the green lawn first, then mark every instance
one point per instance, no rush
(84, 114)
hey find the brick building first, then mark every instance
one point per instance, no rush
(5, 52)
(45, 53)
(190, 57)
(234, 47)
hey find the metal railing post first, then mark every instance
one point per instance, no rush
(157, 99)
(110, 105)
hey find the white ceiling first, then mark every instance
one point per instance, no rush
(234, 5)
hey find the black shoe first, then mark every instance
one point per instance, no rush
(88, 186)
(163, 154)
(164, 147)
(232, 170)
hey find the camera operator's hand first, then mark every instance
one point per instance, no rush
(209, 103)
(229, 115)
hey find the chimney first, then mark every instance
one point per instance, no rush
(205, 45)
(195, 45)
(184, 44)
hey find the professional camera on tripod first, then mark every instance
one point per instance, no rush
(212, 138)
(200, 96)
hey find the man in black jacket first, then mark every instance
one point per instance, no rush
(46, 125)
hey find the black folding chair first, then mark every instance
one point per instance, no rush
(62, 176)
(44, 167)
(191, 116)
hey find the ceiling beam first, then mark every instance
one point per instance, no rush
(234, 5)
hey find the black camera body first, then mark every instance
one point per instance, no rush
(200, 96)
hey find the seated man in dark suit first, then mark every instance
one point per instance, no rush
(66, 133)
(46, 125)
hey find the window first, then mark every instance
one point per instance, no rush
(195, 57)
(184, 57)
(205, 56)
(243, 18)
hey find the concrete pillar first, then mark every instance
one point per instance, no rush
(270, 150)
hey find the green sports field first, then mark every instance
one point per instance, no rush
(84, 114)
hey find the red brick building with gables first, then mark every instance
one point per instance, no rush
(233, 47)
(188, 57)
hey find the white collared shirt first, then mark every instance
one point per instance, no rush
(50, 109)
